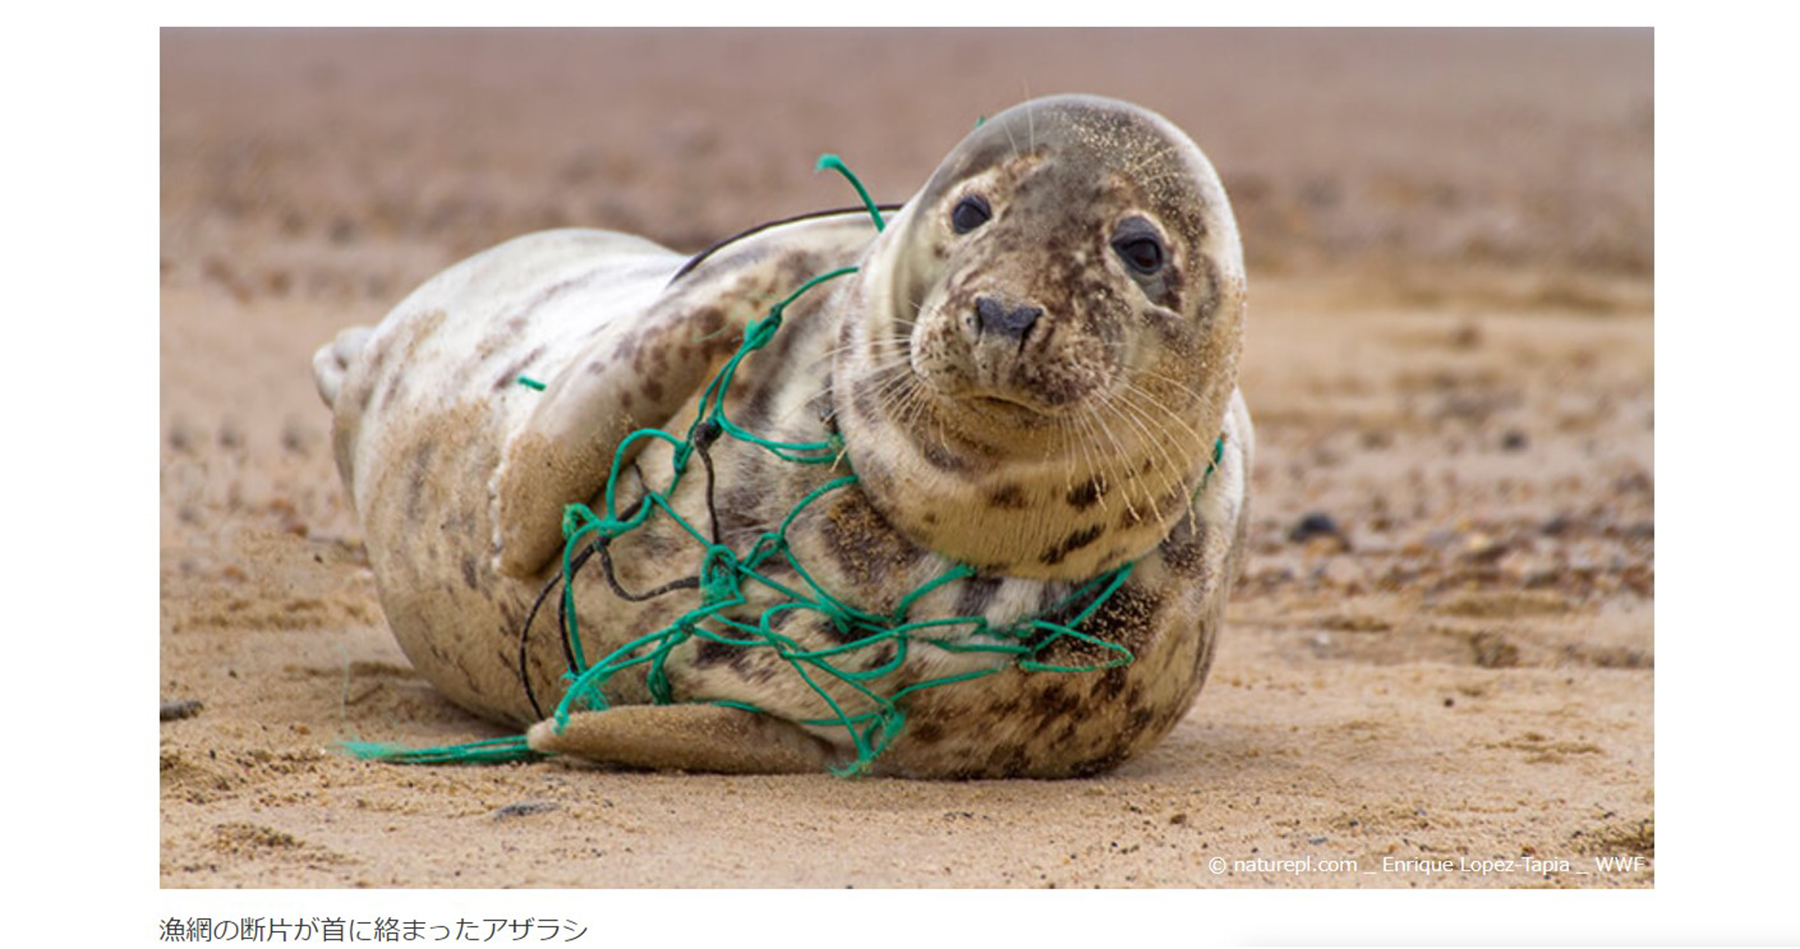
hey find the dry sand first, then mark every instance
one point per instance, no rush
(1450, 355)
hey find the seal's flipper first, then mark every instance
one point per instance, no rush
(686, 738)
(641, 371)
(634, 374)
(333, 360)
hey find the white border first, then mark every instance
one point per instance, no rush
(82, 167)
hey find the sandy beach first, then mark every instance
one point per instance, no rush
(1450, 364)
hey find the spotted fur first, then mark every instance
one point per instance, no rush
(1061, 428)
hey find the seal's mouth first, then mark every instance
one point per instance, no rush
(986, 405)
(1038, 379)
(1016, 412)
(1025, 378)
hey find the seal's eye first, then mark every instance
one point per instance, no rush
(1140, 245)
(1141, 253)
(971, 212)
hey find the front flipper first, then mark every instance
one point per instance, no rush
(641, 372)
(713, 738)
(634, 374)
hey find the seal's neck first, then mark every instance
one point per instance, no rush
(1065, 499)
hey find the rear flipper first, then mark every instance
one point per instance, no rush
(686, 738)
(333, 361)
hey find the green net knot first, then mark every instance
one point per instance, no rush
(760, 332)
(719, 575)
(579, 518)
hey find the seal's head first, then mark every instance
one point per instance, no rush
(1046, 340)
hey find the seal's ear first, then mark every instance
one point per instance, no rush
(645, 370)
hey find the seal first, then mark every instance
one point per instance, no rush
(1032, 374)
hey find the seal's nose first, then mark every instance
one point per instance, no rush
(993, 317)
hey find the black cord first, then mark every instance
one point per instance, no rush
(525, 643)
(708, 432)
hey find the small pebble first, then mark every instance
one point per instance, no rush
(173, 709)
(1481, 547)
(1514, 440)
(1316, 524)
(295, 437)
(525, 809)
(231, 434)
(181, 435)
(1466, 336)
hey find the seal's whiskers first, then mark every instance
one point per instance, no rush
(1091, 461)
(1161, 420)
(1154, 431)
(1119, 457)
(1147, 404)
(1151, 494)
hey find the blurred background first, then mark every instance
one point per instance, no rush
(1339, 148)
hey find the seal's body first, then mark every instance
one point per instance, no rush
(1032, 373)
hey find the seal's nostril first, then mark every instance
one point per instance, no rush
(992, 317)
(988, 314)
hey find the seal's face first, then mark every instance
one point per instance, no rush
(1061, 304)
(1048, 272)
